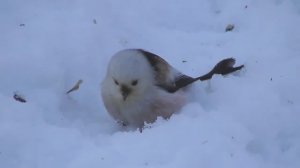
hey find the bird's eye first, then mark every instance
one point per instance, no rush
(134, 82)
(116, 82)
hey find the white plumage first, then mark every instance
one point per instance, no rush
(140, 86)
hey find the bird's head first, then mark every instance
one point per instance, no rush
(130, 75)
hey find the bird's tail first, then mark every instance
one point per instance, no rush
(224, 67)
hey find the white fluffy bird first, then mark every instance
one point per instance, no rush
(140, 86)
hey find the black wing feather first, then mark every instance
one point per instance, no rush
(180, 82)
(161, 68)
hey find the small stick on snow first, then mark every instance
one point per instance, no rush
(76, 87)
(229, 27)
(19, 98)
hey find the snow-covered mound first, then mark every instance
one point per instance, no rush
(249, 119)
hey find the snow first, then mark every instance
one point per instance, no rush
(248, 119)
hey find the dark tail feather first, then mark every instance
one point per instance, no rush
(224, 67)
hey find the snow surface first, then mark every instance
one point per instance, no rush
(249, 119)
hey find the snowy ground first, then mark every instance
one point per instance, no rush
(250, 119)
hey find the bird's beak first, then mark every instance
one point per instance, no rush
(125, 91)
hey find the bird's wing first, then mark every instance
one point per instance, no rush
(166, 76)
(183, 80)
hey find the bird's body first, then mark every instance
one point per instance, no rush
(147, 100)
(140, 86)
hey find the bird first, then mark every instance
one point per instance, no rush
(140, 86)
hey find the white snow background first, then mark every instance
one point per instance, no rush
(248, 119)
